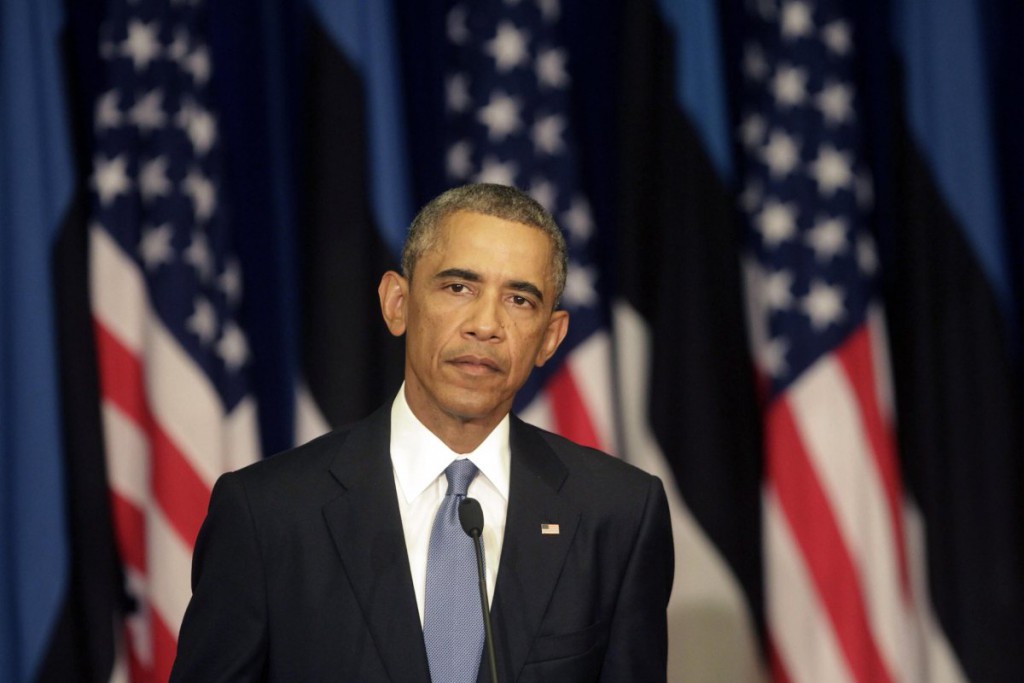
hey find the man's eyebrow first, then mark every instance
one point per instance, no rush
(460, 273)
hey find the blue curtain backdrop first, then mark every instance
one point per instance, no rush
(332, 120)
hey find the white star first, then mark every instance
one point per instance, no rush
(459, 160)
(153, 181)
(550, 68)
(772, 356)
(456, 88)
(457, 31)
(202, 191)
(823, 305)
(832, 170)
(203, 321)
(752, 130)
(508, 47)
(796, 20)
(835, 102)
(501, 116)
(108, 113)
(230, 281)
(232, 347)
(148, 112)
(578, 220)
(755, 66)
(777, 222)
(544, 192)
(197, 63)
(198, 254)
(155, 247)
(789, 86)
(549, 10)
(827, 238)
(781, 154)
(867, 257)
(498, 172)
(142, 43)
(580, 286)
(199, 125)
(837, 36)
(778, 290)
(547, 134)
(110, 178)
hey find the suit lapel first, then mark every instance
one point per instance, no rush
(530, 561)
(366, 526)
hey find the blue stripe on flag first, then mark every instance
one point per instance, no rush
(35, 188)
(700, 82)
(949, 113)
(366, 32)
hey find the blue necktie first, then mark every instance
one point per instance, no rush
(453, 628)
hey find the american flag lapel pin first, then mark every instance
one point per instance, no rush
(549, 529)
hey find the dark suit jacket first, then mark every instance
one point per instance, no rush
(301, 574)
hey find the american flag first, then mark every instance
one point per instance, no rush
(166, 289)
(507, 90)
(841, 606)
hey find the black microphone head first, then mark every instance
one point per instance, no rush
(471, 515)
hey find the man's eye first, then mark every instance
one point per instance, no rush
(520, 300)
(457, 287)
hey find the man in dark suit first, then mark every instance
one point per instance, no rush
(326, 562)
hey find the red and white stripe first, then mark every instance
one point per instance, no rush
(167, 440)
(840, 604)
(577, 402)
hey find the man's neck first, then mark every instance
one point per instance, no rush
(459, 433)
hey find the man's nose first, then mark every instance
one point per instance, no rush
(486, 319)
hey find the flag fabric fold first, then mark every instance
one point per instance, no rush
(36, 183)
(166, 291)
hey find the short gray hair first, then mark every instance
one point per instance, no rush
(500, 201)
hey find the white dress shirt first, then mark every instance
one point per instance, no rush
(419, 459)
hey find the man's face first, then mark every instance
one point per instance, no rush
(477, 318)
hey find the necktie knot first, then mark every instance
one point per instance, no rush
(459, 474)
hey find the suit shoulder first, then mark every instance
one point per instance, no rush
(303, 468)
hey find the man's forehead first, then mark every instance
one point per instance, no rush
(482, 243)
(473, 229)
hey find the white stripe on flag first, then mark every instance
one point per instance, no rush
(802, 632)
(538, 412)
(711, 633)
(828, 418)
(118, 290)
(128, 456)
(591, 368)
(169, 565)
(937, 663)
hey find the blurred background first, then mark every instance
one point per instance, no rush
(795, 231)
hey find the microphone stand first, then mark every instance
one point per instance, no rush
(471, 516)
(488, 635)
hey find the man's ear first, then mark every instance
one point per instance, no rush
(557, 328)
(394, 295)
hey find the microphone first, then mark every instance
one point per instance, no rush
(471, 516)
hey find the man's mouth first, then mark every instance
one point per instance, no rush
(475, 364)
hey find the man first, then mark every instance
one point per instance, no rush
(332, 561)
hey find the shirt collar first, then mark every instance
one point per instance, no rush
(420, 457)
